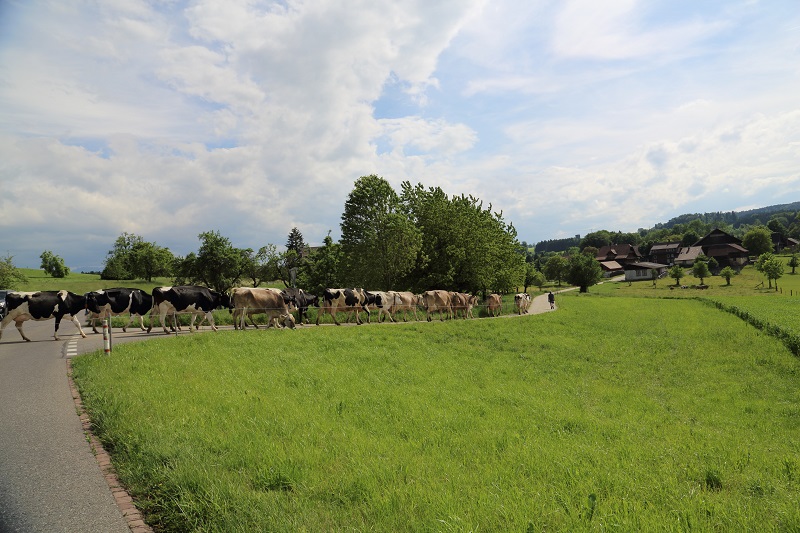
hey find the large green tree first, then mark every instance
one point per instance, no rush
(465, 246)
(134, 258)
(555, 268)
(53, 265)
(758, 240)
(584, 271)
(380, 244)
(218, 263)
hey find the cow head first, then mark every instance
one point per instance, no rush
(287, 321)
(91, 302)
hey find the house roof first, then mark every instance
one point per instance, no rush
(689, 253)
(717, 236)
(610, 265)
(618, 251)
(644, 265)
(665, 247)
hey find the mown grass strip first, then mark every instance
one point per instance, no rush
(614, 413)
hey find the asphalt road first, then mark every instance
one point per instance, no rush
(49, 479)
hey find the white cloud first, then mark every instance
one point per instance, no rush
(168, 119)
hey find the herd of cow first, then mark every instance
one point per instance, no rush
(243, 302)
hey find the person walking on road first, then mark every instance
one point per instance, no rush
(552, 299)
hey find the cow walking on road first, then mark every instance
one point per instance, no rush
(192, 299)
(522, 301)
(494, 304)
(437, 300)
(274, 303)
(113, 302)
(43, 305)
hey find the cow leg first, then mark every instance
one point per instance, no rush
(19, 323)
(93, 322)
(78, 325)
(162, 317)
(253, 320)
(210, 319)
(7, 320)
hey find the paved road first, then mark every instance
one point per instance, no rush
(49, 479)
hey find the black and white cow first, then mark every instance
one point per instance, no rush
(192, 299)
(42, 305)
(345, 300)
(383, 302)
(112, 302)
(302, 300)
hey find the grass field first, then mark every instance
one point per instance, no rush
(622, 413)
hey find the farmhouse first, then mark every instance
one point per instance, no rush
(621, 253)
(725, 248)
(665, 253)
(780, 242)
(644, 271)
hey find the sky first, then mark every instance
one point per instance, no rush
(170, 118)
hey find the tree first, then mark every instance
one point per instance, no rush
(794, 262)
(134, 258)
(118, 259)
(584, 271)
(10, 276)
(260, 266)
(676, 273)
(555, 268)
(533, 277)
(322, 268)
(464, 246)
(295, 251)
(147, 260)
(728, 273)
(53, 265)
(758, 241)
(219, 264)
(700, 270)
(379, 243)
(597, 239)
(770, 266)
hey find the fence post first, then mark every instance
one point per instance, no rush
(106, 337)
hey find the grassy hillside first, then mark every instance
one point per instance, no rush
(617, 413)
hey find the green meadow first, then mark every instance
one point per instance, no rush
(622, 413)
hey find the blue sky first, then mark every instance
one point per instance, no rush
(168, 119)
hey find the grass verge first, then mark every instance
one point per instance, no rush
(614, 413)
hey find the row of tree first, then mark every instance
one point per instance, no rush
(417, 239)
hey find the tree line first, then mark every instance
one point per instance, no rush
(416, 239)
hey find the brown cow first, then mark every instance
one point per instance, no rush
(272, 302)
(405, 302)
(437, 300)
(494, 303)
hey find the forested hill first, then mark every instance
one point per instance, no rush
(733, 218)
(787, 214)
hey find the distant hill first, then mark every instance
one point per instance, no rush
(734, 219)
